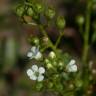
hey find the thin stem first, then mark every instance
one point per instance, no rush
(29, 4)
(49, 41)
(87, 30)
(58, 40)
(45, 48)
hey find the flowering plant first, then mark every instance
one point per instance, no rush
(55, 70)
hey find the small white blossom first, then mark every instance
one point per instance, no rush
(52, 55)
(36, 73)
(72, 67)
(34, 53)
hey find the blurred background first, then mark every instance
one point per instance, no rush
(14, 43)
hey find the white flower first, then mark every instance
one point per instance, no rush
(34, 53)
(36, 73)
(52, 55)
(72, 67)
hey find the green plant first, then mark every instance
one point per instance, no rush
(60, 72)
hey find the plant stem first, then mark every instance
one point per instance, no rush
(58, 40)
(49, 41)
(87, 30)
(85, 73)
(29, 4)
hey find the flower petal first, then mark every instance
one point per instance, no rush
(35, 68)
(29, 54)
(29, 72)
(72, 68)
(40, 78)
(72, 62)
(33, 49)
(33, 77)
(41, 70)
(38, 55)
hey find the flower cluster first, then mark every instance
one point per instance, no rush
(60, 67)
(36, 73)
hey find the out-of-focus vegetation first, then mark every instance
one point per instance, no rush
(14, 43)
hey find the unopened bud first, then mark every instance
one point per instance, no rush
(30, 11)
(52, 55)
(80, 19)
(60, 22)
(39, 8)
(20, 10)
(49, 65)
(36, 41)
(50, 13)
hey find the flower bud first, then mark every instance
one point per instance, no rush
(47, 61)
(71, 86)
(49, 65)
(30, 11)
(65, 76)
(39, 8)
(20, 10)
(50, 85)
(39, 86)
(80, 19)
(61, 64)
(55, 63)
(60, 22)
(50, 13)
(36, 41)
(45, 41)
(52, 55)
(78, 83)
